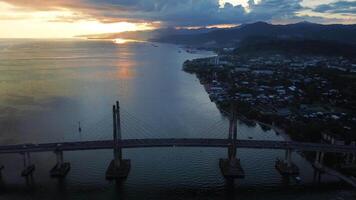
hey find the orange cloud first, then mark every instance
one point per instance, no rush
(21, 19)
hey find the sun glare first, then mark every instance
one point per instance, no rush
(123, 41)
(65, 23)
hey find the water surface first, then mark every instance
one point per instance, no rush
(48, 86)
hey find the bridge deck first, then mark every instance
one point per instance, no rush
(184, 142)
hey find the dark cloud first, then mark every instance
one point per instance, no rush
(201, 12)
(182, 12)
(177, 13)
(342, 7)
(274, 9)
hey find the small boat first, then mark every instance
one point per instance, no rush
(297, 179)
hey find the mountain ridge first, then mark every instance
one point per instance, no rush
(307, 30)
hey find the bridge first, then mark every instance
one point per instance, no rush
(177, 142)
(230, 167)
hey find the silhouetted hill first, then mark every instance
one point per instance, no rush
(149, 34)
(265, 45)
(302, 30)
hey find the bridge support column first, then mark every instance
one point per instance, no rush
(321, 161)
(119, 168)
(349, 158)
(61, 169)
(288, 157)
(286, 167)
(1, 168)
(319, 158)
(318, 164)
(28, 167)
(231, 167)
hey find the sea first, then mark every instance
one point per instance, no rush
(51, 88)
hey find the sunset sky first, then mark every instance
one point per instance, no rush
(69, 18)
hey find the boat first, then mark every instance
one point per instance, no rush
(297, 179)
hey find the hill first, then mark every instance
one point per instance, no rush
(149, 34)
(232, 36)
(264, 45)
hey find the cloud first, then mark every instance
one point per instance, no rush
(176, 13)
(274, 9)
(340, 7)
(202, 12)
(179, 12)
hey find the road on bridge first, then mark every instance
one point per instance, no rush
(175, 142)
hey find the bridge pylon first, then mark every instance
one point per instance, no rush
(231, 167)
(119, 168)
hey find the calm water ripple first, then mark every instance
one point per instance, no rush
(46, 87)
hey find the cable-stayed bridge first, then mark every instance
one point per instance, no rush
(230, 167)
(177, 142)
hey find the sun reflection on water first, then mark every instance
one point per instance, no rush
(123, 41)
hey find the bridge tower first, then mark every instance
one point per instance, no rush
(231, 167)
(119, 168)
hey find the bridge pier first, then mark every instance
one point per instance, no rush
(319, 158)
(119, 168)
(1, 168)
(61, 169)
(28, 167)
(231, 167)
(318, 163)
(286, 167)
(318, 166)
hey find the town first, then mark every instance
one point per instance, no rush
(311, 98)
